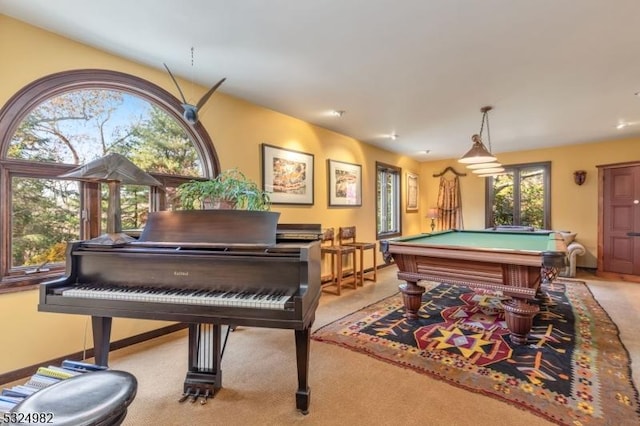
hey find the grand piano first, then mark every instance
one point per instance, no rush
(206, 268)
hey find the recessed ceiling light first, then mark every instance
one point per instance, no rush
(337, 112)
(393, 136)
(623, 124)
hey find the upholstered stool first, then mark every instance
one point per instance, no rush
(97, 398)
(347, 237)
(337, 253)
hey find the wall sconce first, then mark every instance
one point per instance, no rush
(579, 176)
(433, 215)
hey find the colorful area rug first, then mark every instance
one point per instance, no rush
(574, 370)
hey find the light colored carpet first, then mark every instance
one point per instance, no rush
(259, 375)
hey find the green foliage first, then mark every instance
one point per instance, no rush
(230, 187)
(161, 145)
(44, 214)
(134, 205)
(503, 200)
(530, 201)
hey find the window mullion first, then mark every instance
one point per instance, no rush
(517, 205)
(90, 210)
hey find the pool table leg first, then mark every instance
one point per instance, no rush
(519, 316)
(412, 298)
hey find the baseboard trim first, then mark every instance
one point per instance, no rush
(327, 278)
(14, 375)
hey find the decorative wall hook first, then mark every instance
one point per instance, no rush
(579, 176)
(449, 169)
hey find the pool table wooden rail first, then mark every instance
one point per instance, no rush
(515, 257)
(515, 281)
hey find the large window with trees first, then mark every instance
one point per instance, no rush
(520, 196)
(388, 207)
(68, 119)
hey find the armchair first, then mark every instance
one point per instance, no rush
(574, 248)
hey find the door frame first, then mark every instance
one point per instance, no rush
(600, 271)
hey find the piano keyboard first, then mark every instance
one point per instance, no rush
(268, 299)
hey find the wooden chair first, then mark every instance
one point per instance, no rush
(337, 252)
(347, 237)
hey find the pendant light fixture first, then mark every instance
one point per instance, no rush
(479, 159)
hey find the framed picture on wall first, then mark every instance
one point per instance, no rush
(345, 183)
(412, 192)
(287, 175)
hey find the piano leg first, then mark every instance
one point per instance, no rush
(204, 377)
(302, 359)
(101, 327)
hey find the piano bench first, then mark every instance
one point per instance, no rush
(97, 398)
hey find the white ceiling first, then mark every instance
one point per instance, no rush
(557, 72)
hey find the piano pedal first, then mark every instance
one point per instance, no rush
(185, 395)
(199, 385)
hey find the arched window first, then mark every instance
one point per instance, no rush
(67, 119)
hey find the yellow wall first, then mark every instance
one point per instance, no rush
(237, 129)
(573, 208)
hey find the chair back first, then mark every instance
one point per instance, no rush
(347, 234)
(328, 237)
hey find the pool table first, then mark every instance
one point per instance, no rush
(513, 263)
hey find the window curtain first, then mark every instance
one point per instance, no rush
(449, 204)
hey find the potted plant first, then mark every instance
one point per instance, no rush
(231, 189)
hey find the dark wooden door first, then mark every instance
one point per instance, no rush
(621, 219)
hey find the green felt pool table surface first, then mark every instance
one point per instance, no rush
(490, 240)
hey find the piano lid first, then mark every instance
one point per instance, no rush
(209, 227)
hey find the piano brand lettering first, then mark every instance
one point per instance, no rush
(181, 273)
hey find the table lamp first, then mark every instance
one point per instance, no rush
(112, 169)
(433, 215)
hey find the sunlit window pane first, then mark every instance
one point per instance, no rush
(79, 126)
(388, 200)
(532, 197)
(520, 196)
(503, 205)
(134, 206)
(45, 214)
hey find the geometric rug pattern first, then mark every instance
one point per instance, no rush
(573, 370)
